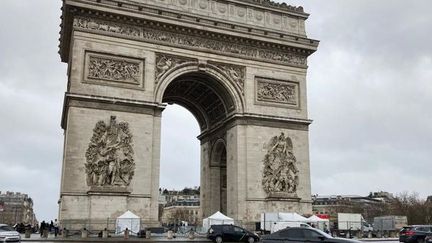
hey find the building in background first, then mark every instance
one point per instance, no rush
(177, 206)
(181, 211)
(369, 206)
(16, 208)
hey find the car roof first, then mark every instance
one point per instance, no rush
(3, 225)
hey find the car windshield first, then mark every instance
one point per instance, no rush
(6, 228)
(406, 228)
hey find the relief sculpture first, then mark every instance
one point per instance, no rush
(277, 91)
(110, 155)
(280, 176)
(113, 70)
(100, 25)
(217, 44)
(164, 63)
(235, 73)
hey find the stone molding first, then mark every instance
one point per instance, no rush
(251, 119)
(110, 104)
(261, 13)
(245, 12)
(105, 69)
(198, 40)
(272, 91)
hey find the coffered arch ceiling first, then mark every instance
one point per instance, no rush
(207, 99)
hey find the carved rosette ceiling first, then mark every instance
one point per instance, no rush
(280, 174)
(277, 91)
(235, 73)
(196, 40)
(109, 156)
(166, 63)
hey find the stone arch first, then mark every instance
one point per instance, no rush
(218, 173)
(207, 76)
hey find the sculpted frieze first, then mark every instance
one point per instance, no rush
(203, 41)
(106, 26)
(221, 46)
(236, 73)
(280, 174)
(109, 156)
(113, 69)
(165, 63)
(284, 92)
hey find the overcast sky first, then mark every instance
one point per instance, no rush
(369, 94)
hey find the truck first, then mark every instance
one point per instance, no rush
(389, 225)
(351, 224)
(272, 222)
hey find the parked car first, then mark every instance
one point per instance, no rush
(231, 233)
(302, 234)
(8, 234)
(414, 233)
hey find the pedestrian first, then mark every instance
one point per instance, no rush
(42, 228)
(51, 226)
(326, 230)
(56, 227)
(126, 234)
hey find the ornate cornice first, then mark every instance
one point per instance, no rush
(272, 4)
(155, 31)
(194, 39)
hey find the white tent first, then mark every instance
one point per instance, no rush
(130, 221)
(315, 218)
(216, 218)
(322, 224)
(285, 220)
(292, 217)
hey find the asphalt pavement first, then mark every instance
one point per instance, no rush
(35, 238)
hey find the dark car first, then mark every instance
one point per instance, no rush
(230, 233)
(414, 233)
(302, 234)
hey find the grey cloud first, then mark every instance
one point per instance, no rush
(369, 94)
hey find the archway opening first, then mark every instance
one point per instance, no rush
(210, 103)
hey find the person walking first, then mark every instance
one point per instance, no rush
(56, 227)
(126, 233)
(51, 226)
(42, 228)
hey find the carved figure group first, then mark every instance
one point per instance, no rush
(110, 69)
(191, 41)
(110, 155)
(280, 171)
(94, 24)
(278, 92)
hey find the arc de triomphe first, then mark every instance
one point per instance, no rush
(239, 66)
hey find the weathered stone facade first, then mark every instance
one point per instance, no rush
(238, 66)
(17, 208)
